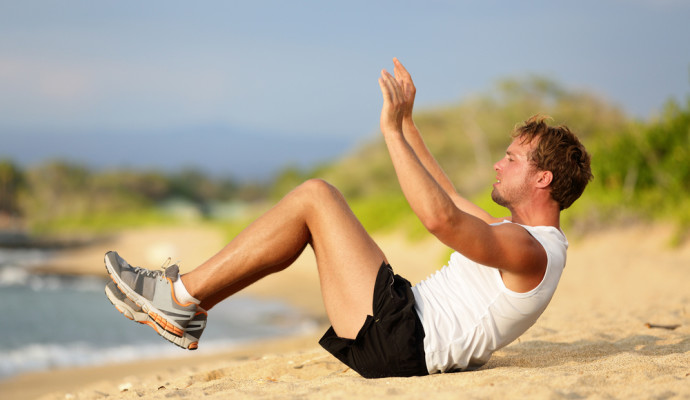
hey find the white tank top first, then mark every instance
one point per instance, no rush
(468, 313)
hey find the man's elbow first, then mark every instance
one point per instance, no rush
(437, 224)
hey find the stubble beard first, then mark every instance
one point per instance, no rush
(512, 195)
(498, 199)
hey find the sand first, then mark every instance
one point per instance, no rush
(592, 341)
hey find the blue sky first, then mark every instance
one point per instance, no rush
(246, 87)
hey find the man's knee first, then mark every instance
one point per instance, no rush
(318, 189)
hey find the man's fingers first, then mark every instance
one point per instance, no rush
(400, 70)
(385, 90)
(385, 87)
(404, 79)
(392, 88)
(398, 95)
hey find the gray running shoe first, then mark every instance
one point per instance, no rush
(129, 309)
(124, 305)
(153, 292)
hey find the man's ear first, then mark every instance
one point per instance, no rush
(544, 179)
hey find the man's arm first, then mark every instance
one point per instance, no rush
(508, 247)
(416, 142)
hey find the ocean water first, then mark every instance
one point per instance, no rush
(52, 321)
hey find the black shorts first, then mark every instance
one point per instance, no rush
(391, 342)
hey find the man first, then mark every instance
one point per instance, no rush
(495, 286)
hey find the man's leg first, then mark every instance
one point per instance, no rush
(314, 213)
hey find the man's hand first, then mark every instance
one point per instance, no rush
(408, 90)
(398, 97)
(393, 104)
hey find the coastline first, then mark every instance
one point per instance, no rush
(592, 341)
(61, 382)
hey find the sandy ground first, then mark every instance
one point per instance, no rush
(592, 341)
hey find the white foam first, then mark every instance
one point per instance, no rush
(12, 275)
(38, 356)
(44, 356)
(77, 340)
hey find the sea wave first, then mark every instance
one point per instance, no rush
(23, 256)
(42, 356)
(16, 270)
(66, 321)
(13, 275)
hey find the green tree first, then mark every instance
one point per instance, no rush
(648, 165)
(11, 179)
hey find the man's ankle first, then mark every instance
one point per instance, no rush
(182, 295)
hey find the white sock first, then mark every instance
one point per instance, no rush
(182, 294)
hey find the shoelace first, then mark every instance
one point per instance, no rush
(155, 273)
(167, 263)
(148, 272)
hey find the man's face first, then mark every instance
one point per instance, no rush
(513, 173)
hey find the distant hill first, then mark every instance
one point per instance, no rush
(467, 138)
(641, 168)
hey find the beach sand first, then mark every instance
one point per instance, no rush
(592, 341)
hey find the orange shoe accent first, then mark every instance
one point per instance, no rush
(193, 346)
(165, 324)
(152, 325)
(172, 294)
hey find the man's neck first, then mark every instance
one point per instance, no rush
(537, 216)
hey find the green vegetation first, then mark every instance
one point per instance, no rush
(59, 197)
(641, 168)
(644, 170)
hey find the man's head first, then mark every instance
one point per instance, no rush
(559, 151)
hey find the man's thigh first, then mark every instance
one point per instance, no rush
(348, 260)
